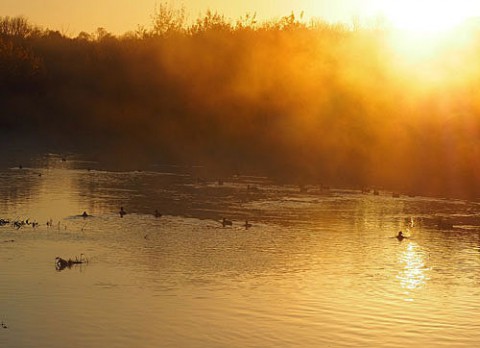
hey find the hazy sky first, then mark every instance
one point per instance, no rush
(119, 16)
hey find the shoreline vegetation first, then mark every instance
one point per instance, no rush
(306, 103)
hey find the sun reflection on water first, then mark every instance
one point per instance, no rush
(414, 274)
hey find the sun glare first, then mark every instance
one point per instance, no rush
(426, 30)
(428, 16)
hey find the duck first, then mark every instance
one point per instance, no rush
(226, 222)
(400, 236)
(84, 214)
(61, 264)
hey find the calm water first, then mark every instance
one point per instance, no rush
(316, 269)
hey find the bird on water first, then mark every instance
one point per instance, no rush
(226, 222)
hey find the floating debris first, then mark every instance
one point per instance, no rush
(18, 224)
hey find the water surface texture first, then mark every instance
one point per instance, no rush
(317, 268)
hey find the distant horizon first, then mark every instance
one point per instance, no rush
(122, 16)
(473, 21)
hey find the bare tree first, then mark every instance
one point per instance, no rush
(212, 21)
(17, 27)
(168, 20)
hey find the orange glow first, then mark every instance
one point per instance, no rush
(435, 59)
(350, 105)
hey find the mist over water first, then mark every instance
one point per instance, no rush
(305, 103)
(318, 266)
(283, 158)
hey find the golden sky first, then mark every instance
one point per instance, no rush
(120, 16)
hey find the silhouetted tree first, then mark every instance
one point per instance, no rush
(17, 27)
(167, 20)
(322, 102)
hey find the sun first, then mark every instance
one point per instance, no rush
(429, 16)
(425, 34)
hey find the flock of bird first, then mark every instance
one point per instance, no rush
(20, 223)
(225, 222)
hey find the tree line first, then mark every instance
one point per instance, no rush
(301, 102)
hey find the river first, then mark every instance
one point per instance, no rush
(318, 267)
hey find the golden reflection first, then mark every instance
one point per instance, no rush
(413, 275)
(57, 194)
